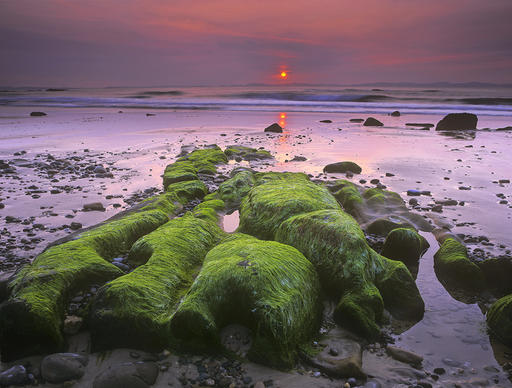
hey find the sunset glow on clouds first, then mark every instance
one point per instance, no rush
(128, 42)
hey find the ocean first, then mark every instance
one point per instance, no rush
(495, 101)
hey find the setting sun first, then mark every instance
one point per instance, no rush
(284, 74)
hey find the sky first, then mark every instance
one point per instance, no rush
(98, 43)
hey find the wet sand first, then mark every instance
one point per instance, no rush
(136, 148)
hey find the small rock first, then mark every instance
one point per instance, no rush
(72, 324)
(372, 122)
(94, 206)
(17, 375)
(356, 120)
(439, 371)
(99, 170)
(343, 167)
(457, 121)
(37, 114)
(395, 113)
(75, 225)
(276, 128)
(259, 384)
(413, 193)
(404, 355)
(326, 121)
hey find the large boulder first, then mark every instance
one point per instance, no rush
(372, 122)
(269, 287)
(275, 127)
(457, 121)
(343, 167)
(60, 367)
(127, 375)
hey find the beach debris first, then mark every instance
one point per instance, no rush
(372, 122)
(275, 127)
(457, 121)
(37, 114)
(343, 167)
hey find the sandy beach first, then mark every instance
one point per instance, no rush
(75, 157)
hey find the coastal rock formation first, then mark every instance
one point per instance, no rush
(275, 127)
(405, 245)
(454, 269)
(343, 167)
(294, 211)
(372, 122)
(457, 121)
(238, 152)
(267, 286)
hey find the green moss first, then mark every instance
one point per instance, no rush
(282, 196)
(384, 225)
(396, 285)
(246, 153)
(175, 197)
(348, 196)
(31, 319)
(267, 286)
(179, 172)
(234, 189)
(136, 308)
(405, 245)
(209, 210)
(499, 319)
(455, 270)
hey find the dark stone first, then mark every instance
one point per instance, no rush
(17, 375)
(372, 122)
(128, 375)
(75, 225)
(326, 121)
(457, 121)
(95, 206)
(37, 114)
(343, 167)
(439, 371)
(395, 113)
(59, 367)
(413, 193)
(274, 128)
(356, 120)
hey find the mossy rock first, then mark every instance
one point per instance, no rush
(246, 153)
(384, 225)
(176, 195)
(333, 241)
(499, 319)
(454, 269)
(188, 167)
(498, 272)
(235, 189)
(269, 287)
(278, 198)
(209, 210)
(405, 245)
(349, 197)
(343, 167)
(31, 320)
(135, 309)
(179, 172)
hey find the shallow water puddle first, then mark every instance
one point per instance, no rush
(451, 333)
(230, 222)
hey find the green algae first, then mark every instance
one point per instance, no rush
(454, 269)
(499, 319)
(31, 320)
(276, 199)
(176, 195)
(246, 153)
(136, 308)
(179, 172)
(405, 245)
(267, 286)
(347, 194)
(209, 210)
(233, 190)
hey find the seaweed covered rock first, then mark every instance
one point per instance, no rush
(499, 319)
(269, 287)
(187, 167)
(277, 198)
(234, 189)
(457, 121)
(176, 195)
(246, 153)
(350, 270)
(405, 245)
(454, 269)
(343, 167)
(135, 309)
(31, 319)
(498, 272)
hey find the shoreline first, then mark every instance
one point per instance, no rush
(304, 136)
